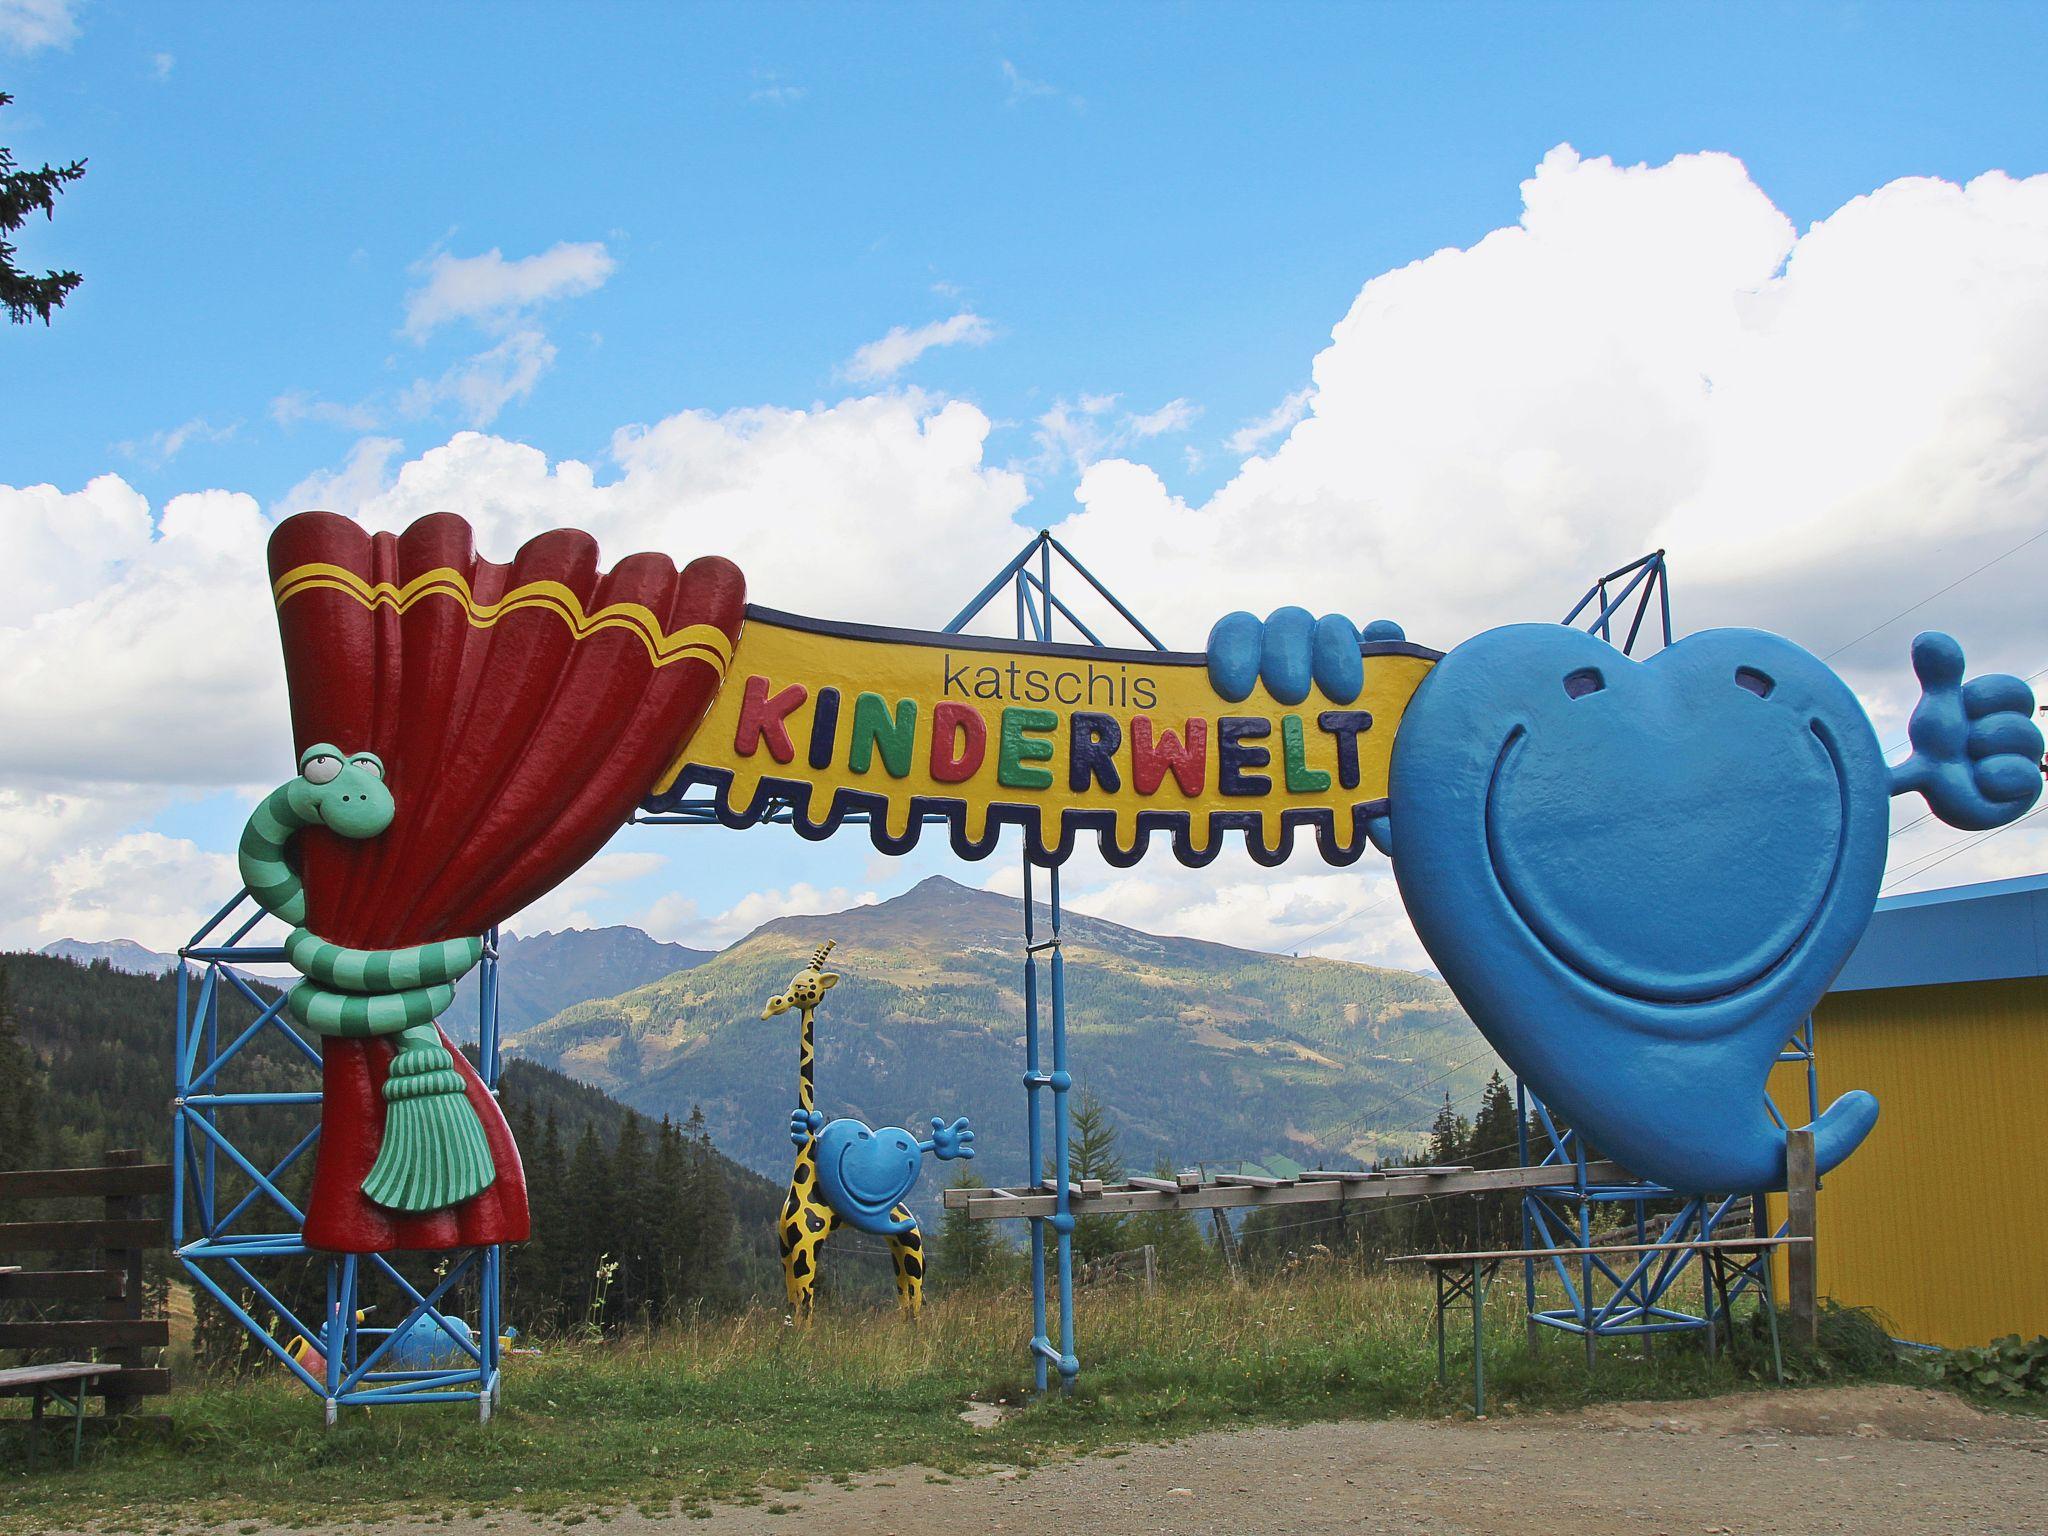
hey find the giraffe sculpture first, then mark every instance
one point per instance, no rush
(845, 1172)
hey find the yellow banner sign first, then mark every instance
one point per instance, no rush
(901, 729)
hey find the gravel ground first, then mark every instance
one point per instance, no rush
(1873, 1461)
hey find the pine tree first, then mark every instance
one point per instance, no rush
(968, 1251)
(1450, 1138)
(18, 1076)
(550, 1258)
(1494, 1145)
(588, 1191)
(1091, 1154)
(23, 193)
(671, 1239)
(1178, 1248)
(632, 1237)
(709, 1216)
(1445, 1224)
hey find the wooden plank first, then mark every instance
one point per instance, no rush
(1252, 1180)
(1708, 1245)
(1398, 1184)
(1343, 1175)
(127, 1207)
(1161, 1186)
(64, 1284)
(1802, 1290)
(114, 1380)
(50, 1183)
(63, 1236)
(103, 1332)
(59, 1370)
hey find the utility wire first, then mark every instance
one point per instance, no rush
(1964, 846)
(1930, 597)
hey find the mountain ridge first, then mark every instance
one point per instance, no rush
(1200, 1050)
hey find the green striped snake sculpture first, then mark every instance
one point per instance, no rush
(433, 1153)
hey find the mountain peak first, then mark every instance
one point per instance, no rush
(122, 954)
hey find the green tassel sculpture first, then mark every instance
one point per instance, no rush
(434, 1153)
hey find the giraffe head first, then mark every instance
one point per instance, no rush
(807, 988)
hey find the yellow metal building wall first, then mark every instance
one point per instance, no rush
(1940, 1220)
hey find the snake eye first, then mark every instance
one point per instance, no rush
(1752, 681)
(1582, 682)
(369, 762)
(321, 768)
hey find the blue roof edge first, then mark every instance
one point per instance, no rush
(1996, 930)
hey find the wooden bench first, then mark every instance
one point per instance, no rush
(1459, 1276)
(45, 1383)
(102, 1298)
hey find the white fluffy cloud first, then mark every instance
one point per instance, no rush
(1302, 908)
(482, 385)
(29, 26)
(1818, 426)
(887, 356)
(140, 885)
(570, 904)
(1255, 434)
(138, 654)
(879, 508)
(492, 291)
(675, 919)
(134, 653)
(1822, 427)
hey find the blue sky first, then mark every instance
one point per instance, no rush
(1162, 202)
(1141, 224)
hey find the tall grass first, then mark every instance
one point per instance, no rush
(729, 1407)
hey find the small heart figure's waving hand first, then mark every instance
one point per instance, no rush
(804, 1124)
(1976, 749)
(955, 1140)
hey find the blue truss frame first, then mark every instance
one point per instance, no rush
(1038, 608)
(222, 1256)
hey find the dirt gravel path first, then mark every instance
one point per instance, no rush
(1868, 1461)
(1863, 1461)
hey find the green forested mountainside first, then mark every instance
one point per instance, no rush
(1200, 1051)
(101, 1043)
(539, 976)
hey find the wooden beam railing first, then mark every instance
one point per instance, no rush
(1234, 1190)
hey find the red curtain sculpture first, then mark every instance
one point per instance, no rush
(521, 712)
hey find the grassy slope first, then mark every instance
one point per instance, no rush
(1203, 1051)
(729, 1409)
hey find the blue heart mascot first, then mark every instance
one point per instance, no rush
(1640, 877)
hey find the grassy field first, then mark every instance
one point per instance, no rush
(742, 1407)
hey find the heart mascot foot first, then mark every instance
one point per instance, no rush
(1640, 877)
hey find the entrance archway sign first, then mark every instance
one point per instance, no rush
(1060, 741)
(513, 716)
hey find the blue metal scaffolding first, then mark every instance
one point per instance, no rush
(240, 1250)
(1036, 606)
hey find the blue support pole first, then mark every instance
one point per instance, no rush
(1062, 1083)
(1034, 1080)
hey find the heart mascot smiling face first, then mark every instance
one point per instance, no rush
(1642, 876)
(866, 1172)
